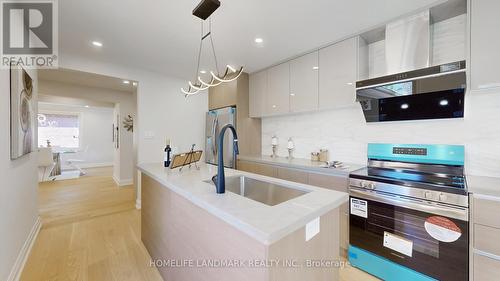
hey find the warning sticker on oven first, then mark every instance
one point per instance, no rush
(359, 207)
(398, 244)
(442, 229)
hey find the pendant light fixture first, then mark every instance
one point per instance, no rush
(203, 11)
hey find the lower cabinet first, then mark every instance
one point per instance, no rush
(337, 183)
(293, 175)
(486, 232)
(486, 268)
(257, 168)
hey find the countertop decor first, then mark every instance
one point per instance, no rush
(302, 164)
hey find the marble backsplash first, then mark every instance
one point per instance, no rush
(345, 133)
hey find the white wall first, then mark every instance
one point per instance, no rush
(127, 105)
(346, 134)
(18, 190)
(95, 133)
(161, 108)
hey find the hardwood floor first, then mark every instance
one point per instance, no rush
(92, 195)
(91, 232)
(105, 248)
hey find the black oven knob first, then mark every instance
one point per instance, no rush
(442, 197)
(428, 195)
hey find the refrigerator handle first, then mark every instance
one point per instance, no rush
(214, 134)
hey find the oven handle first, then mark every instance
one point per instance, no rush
(459, 213)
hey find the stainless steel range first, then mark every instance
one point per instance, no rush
(409, 213)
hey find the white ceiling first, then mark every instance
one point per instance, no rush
(85, 79)
(163, 36)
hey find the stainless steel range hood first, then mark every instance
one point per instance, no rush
(410, 89)
(407, 43)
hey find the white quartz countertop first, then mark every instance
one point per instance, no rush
(266, 224)
(480, 185)
(302, 164)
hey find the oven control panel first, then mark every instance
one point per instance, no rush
(419, 193)
(409, 150)
(418, 153)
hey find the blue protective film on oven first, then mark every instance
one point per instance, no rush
(440, 154)
(383, 268)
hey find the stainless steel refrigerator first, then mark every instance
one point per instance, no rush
(216, 119)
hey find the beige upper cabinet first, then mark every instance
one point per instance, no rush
(338, 74)
(277, 100)
(304, 83)
(258, 93)
(485, 44)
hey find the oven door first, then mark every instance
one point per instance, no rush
(429, 238)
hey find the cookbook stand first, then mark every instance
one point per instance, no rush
(186, 159)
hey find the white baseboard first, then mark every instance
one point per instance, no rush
(17, 269)
(95, 165)
(90, 165)
(138, 204)
(123, 182)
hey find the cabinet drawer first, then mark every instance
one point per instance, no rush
(486, 212)
(292, 175)
(266, 170)
(486, 239)
(337, 183)
(485, 268)
(246, 166)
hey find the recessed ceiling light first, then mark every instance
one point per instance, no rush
(203, 71)
(87, 106)
(292, 94)
(404, 106)
(350, 83)
(134, 83)
(315, 67)
(259, 40)
(274, 106)
(443, 102)
(97, 43)
(126, 82)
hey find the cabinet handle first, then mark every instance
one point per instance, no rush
(485, 254)
(487, 86)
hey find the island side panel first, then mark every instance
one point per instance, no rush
(174, 228)
(322, 247)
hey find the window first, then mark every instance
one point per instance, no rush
(60, 129)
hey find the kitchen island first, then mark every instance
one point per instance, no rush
(192, 233)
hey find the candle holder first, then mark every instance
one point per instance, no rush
(275, 150)
(290, 148)
(274, 144)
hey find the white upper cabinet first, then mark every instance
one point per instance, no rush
(257, 93)
(277, 100)
(304, 83)
(485, 44)
(338, 74)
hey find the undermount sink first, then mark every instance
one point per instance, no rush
(264, 192)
